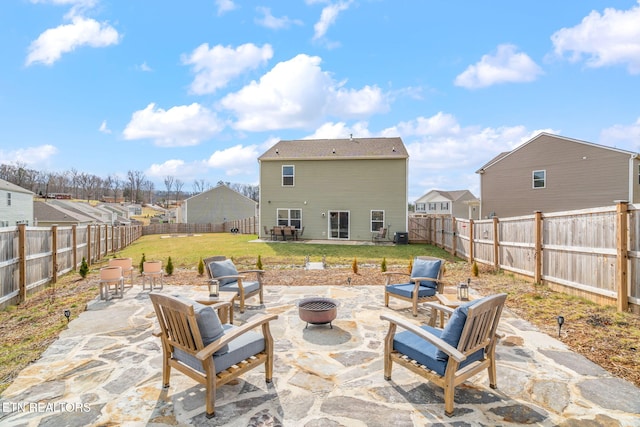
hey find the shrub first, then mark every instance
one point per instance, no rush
(259, 263)
(354, 266)
(84, 268)
(142, 260)
(200, 267)
(474, 269)
(410, 265)
(383, 265)
(169, 268)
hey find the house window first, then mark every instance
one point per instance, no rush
(287, 176)
(377, 220)
(8, 199)
(4, 223)
(539, 179)
(432, 207)
(444, 206)
(420, 207)
(290, 217)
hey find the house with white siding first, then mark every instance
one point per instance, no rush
(337, 189)
(16, 205)
(215, 206)
(458, 203)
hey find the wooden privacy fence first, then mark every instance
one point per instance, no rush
(32, 257)
(244, 226)
(591, 253)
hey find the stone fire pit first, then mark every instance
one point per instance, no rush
(318, 310)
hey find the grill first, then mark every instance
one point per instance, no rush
(318, 311)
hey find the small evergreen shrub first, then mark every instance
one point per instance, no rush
(474, 269)
(410, 265)
(84, 268)
(383, 265)
(259, 263)
(200, 267)
(354, 266)
(142, 260)
(169, 268)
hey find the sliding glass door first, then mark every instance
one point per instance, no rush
(339, 224)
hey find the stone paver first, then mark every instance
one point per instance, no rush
(105, 369)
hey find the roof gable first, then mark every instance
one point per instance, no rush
(330, 149)
(559, 138)
(8, 186)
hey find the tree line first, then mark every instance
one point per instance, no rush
(135, 188)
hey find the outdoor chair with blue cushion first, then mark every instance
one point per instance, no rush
(422, 284)
(195, 343)
(230, 279)
(448, 357)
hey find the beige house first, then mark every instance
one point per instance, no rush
(339, 189)
(16, 205)
(551, 173)
(215, 206)
(458, 203)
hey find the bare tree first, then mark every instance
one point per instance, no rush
(75, 184)
(179, 185)
(136, 178)
(199, 186)
(168, 183)
(148, 186)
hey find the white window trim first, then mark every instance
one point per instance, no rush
(293, 176)
(533, 179)
(289, 215)
(371, 218)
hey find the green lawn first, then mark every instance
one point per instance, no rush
(186, 250)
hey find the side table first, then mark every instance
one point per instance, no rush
(223, 296)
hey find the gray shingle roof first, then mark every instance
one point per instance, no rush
(8, 186)
(348, 148)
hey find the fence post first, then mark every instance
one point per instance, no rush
(622, 255)
(453, 235)
(471, 254)
(22, 266)
(54, 253)
(89, 244)
(496, 244)
(74, 238)
(537, 256)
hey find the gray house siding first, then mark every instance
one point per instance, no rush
(578, 175)
(357, 186)
(16, 205)
(217, 205)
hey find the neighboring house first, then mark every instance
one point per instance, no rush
(216, 206)
(98, 215)
(335, 188)
(551, 173)
(48, 214)
(16, 205)
(459, 204)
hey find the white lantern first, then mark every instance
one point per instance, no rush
(214, 288)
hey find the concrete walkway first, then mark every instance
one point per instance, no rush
(106, 370)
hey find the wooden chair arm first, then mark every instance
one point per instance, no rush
(233, 334)
(442, 345)
(227, 277)
(439, 307)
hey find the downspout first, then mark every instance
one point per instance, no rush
(632, 176)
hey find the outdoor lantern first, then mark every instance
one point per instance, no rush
(214, 288)
(463, 291)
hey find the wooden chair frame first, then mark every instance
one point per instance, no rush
(240, 277)
(380, 235)
(479, 332)
(415, 300)
(179, 330)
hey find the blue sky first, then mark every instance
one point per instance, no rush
(198, 90)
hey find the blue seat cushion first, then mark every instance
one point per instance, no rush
(406, 290)
(426, 268)
(223, 268)
(424, 352)
(209, 323)
(453, 329)
(241, 348)
(249, 287)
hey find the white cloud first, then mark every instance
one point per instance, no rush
(505, 66)
(604, 39)
(341, 130)
(626, 137)
(328, 18)
(103, 127)
(215, 67)
(144, 67)
(52, 43)
(270, 21)
(180, 126)
(31, 156)
(298, 94)
(235, 160)
(225, 6)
